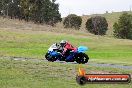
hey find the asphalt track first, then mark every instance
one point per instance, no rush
(119, 66)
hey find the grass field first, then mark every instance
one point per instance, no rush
(18, 74)
(20, 39)
(34, 44)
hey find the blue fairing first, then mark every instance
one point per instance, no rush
(70, 57)
(53, 53)
(82, 49)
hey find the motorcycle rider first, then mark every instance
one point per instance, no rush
(67, 48)
(62, 44)
(65, 45)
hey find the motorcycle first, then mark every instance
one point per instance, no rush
(55, 54)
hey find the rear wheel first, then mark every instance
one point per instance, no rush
(82, 58)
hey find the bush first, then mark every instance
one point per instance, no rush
(123, 28)
(97, 25)
(72, 21)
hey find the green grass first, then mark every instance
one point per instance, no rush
(33, 44)
(18, 74)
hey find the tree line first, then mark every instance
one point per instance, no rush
(47, 11)
(98, 25)
(38, 11)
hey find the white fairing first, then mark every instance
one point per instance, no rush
(52, 47)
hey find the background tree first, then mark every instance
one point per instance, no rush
(72, 21)
(41, 11)
(1, 7)
(123, 28)
(97, 25)
(54, 15)
(26, 9)
(13, 9)
(38, 11)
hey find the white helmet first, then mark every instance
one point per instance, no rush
(63, 42)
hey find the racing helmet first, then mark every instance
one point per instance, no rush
(63, 42)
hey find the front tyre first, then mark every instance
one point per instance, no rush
(50, 57)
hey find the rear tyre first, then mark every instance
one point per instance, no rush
(86, 58)
(82, 58)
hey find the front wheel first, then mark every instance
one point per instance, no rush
(81, 58)
(50, 57)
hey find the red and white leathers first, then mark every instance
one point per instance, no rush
(68, 46)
